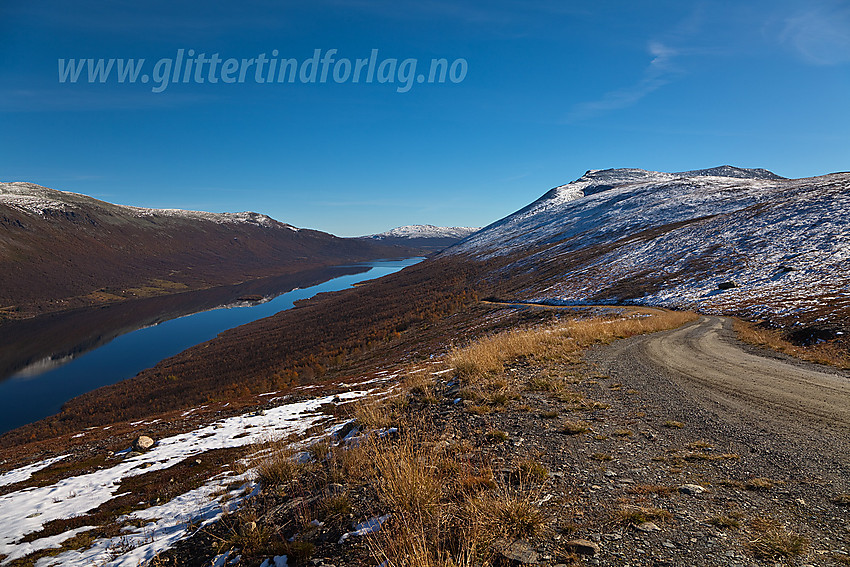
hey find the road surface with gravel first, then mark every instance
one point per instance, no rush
(797, 414)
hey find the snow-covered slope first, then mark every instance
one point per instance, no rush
(26, 510)
(673, 238)
(426, 231)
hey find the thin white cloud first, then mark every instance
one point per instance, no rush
(820, 35)
(656, 75)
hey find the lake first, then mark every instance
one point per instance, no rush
(49, 360)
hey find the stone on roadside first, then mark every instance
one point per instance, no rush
(648, 527)
(582, 547)
(517, 552)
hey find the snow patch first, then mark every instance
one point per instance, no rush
(26, 511)
(24, 473)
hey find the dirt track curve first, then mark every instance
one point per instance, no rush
(795, 413)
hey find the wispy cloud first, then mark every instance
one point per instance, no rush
(821, 34)
(656, 75)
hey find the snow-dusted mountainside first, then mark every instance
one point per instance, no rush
(426, 231)
(731, 171)
(780, 247)
(425, 237)
(61, 250)
(32, 198)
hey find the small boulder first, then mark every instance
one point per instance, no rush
(648, 527)
(692, 489)
(142, 443)
(582, 547)
(517, 552)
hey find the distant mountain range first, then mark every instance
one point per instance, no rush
(725, 239)
(61, 250)
(428, 237)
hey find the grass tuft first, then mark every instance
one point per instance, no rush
(770, 541)
(637, 515)
(496, 436)
(530, 471)
(724, 522)
(279, 467)
(759, 484)
(575, 427)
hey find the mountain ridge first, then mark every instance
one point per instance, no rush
(426, 231)
(62, 250)
(428, 238)
(672, 239)
(34, 198)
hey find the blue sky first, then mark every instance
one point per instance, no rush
(551, 89)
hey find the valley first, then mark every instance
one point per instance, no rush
(573, 367)
(56, 370)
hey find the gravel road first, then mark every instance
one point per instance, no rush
(795, 414)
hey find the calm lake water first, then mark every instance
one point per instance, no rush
(40, 389)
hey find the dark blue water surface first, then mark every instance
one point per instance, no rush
(38, 392)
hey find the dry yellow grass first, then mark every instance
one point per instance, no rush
(408, 479)
(771, 541)
(636, 515)
(488, 355)
(421, 385)
(446, 511)
(575, 427)
(279, 465)
(378, 412)
(824, 353)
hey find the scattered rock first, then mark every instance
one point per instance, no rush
(347, 428)
(692, 489)
(517, 552)
(582, 547)
(727, 285)
(142, 443)
(648, 527)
